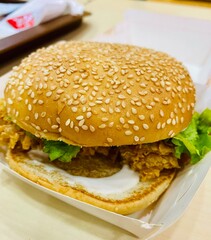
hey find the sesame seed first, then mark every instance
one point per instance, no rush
(156, 99)
(131, 121)
(142, 93)
(99, 101)
(122, 120)
(85, 127)
(83, 109)
(89, 114)
(67, 122)
(103, 109)
(71, 124)
(107, 101)
(29, 107)
(69, 102)
(96, 88)
(79, 117)
(117, 110)
(173, 122)
(102, 125)
(136, 128)
(172, 114)
(154, 79)
(141, 117)
(123, 104)
(161, 113)
(48, 94)
(104, 119)
(36, 115)
(128, 91)
(32, 95)
(91, 104)
(59, 91)
(53, 87)
(75, 96)
(82, 91)
(54, 126)
(133, 102)
(136, 138)
(143, 101)
(142, 139)
(92, 129)
(118, 103)
(131, 83)
(179, 105)
(159, 125)
(135, 99)
(169, 121)
(86, 88)
(145, 126)
(171, 133)
(9, 101)
(143, 85)
(120, 96)
(110, 140)
(74, 109)
(133, 110)
(40, 102)
(149, 107)
(76, 129)
(76, 86)
(38, 128)
(75, 102)
(111, 110)
(127, 114)
(94, 111)
(81, 122)
(130, 76)
(128, 133)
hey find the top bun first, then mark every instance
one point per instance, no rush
(100, 94)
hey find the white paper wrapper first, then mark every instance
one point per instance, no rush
(36, 12)
(187, 39)
(6, 8)
(148, 223)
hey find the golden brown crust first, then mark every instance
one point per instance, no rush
(141, 197)
(100, 94)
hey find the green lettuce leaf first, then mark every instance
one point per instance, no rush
(60, 150)
(195, 140)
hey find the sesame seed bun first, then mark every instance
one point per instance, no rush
(100, 94)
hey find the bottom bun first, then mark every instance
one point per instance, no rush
(35, 168)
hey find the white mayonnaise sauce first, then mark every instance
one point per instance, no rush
(119, 182)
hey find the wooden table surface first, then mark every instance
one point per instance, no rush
(54, 219)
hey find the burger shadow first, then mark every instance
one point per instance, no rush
(87, 224)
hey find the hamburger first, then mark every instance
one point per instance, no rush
(107, 124)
